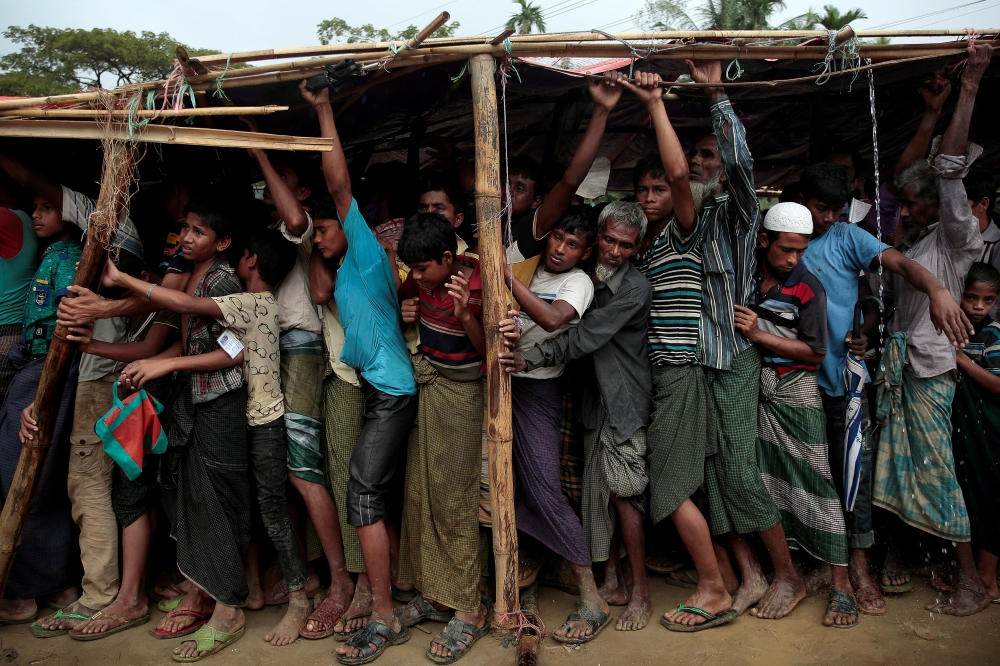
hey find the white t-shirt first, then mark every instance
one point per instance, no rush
(576, 288)
(293, 293)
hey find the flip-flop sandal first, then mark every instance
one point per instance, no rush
(664, 569)
(894, 589)
(844, 603)
(205, 640)
(418, 611)
(327, 613)
(27, 620)
(597, 619)
(711, 620)
(159, 597)
(403, 596)
(381, 635)
(458, 637)
(552, 580)
(123, 623)
(874, 613)
(531, 576)
(167, 605)
(689, 584)
(200, 619)
(342, 636)
(41, 632)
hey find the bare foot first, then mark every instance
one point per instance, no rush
(17, 610)
(968, 598)
(636, 616)
(225, 618)
(706, 600)
(195, 600)
(475, 619)
(255, 600)
(52, 623)
(818, 579)
(279, 591)
(870, 599)
(356, 615)
(750, 592)
(133, 610)
(66, 597)
(287, 631)
(780, 599)
(614, 591)
(944, 581)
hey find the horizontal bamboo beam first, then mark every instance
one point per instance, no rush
(188, 136)
(144, 113)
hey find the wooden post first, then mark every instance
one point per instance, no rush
(492, 256)
(27, 476)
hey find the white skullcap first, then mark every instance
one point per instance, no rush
(789, 217)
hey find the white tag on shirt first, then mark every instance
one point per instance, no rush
(230, 342)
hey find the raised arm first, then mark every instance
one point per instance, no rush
(956, 137)
(288, 207)
(605, 92)
(672, 155)
(732, 143)
(338, 177)
(32, 179)
(934, 91)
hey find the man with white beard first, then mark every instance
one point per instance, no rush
(616, 405)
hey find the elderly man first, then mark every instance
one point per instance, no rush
(616, 410)
(915, 473)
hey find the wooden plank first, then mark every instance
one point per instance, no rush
(155, 113)
(188, 136)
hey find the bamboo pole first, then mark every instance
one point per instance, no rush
(143, 113)
(492, 256)
(188, 136)
(27, 477)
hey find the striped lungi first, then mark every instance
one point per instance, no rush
(9, 336)
(343, 404)
(795, 464)
(303, 364)
(915, 467)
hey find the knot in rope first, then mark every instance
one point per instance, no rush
(849, 57)
(218, 80)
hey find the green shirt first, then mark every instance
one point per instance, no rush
(54, 275)
(18, 261)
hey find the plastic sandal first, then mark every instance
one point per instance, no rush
(123, 624)
(200, 619)
(689, 584)
(597, 620)
(205, 640)
(711, 620)
(167, 605)
(381, 635)
(458, 637)
(419, 610)
(889, 574)
(328, 614)
(842, 602)
(41, 632)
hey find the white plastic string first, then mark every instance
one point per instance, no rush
(878, 197)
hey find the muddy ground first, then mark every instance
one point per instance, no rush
(906, 634)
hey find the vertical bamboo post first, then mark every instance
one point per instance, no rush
(27, 476)
(492, 256)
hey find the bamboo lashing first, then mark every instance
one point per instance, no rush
(491, 253)
(188, 136)
(120, 157)
(144, 113)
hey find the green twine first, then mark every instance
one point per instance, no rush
(151, 100)
(508, 47)
(218, 80)
(135, 124)
(739, 70)
(461, 74)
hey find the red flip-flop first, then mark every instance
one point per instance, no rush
(329, 613)
(200, 619)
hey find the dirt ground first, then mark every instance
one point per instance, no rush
(906, 634)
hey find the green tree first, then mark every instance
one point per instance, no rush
(732, 15)
(332, 30)
(53, 61)
(832, 19)
(530, 16)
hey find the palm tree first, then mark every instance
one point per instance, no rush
(832, 19)
(529, 16)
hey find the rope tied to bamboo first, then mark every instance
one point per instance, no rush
(219, 92)
(849, 57)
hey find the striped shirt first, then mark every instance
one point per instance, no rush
(730, 224)
(793, 309)
(673, 267)
(443, 339)
(984, 346)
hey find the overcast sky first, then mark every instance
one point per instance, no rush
(259, 24)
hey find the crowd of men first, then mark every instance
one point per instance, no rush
(318, 377)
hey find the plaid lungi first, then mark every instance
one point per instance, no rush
(303, 363)
(795, 463)
(571, 447)
(9, 335)
(738, 501)
(680, 437)
(610, 468)
(343, 404)
(439, 544)
(915, 467)
(975, 423)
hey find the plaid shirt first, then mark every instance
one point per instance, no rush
(730, 225)
(203, 333)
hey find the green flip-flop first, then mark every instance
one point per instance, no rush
(889, 574)
(205, 639)
(711, 620)
(689, 584)
(41, 632)
(167, 605)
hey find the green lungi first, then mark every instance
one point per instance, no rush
(680, 437)
(915, 468)
(439, 544)
(738, 501)
(795, 463)
(343, 405)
